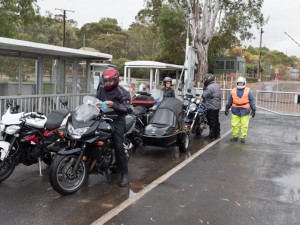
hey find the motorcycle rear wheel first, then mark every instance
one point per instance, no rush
(62, 177)
(7, 167)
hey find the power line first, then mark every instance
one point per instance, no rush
(64, 23)
(292, 39)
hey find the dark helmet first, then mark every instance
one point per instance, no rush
(208, 78)
(110, 79)
(167, 79)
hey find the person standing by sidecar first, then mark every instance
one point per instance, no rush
(212, 97)
(241, 102)
(117, 98)
(168, 91)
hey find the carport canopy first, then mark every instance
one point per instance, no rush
(154, 66)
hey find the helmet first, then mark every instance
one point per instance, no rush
(241, 80)
(110, 79)
(167, 79)
(208, 78)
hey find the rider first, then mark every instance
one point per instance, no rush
(117, 98)
(168, 91)
(212, 97)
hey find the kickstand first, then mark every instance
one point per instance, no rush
(40, 166)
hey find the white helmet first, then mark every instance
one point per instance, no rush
(241, 80)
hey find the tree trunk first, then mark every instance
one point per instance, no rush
(202, 66)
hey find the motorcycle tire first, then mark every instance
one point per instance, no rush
(199, 131)
(7, 167)
(62, 177)
(183, 146)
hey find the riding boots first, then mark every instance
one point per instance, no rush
(124, 180)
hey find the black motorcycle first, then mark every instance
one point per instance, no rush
(195, 119)
(90, 152)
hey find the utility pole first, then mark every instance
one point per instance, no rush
(259, 56)
(64, 15)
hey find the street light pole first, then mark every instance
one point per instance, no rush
(64, 24)
(259, 56)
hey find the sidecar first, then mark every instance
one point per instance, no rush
(165, 128)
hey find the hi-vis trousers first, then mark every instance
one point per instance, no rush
(239, 123)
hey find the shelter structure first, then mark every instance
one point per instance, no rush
(154, 71)
(60, 56)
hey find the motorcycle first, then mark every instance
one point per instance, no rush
(187, 99)
(195, 119)
(90, 151)
(144, 105)
(29, 138)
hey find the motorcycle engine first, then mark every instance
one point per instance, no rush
(33, 153)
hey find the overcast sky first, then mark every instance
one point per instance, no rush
(284, 16)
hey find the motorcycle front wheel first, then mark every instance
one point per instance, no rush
(62, 176)
(7, 167)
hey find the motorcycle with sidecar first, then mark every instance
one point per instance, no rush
(166, 128)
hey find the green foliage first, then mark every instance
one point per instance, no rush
(142, 42)
(91, 31)
(240, 16)
(172, 35)
(151, 13)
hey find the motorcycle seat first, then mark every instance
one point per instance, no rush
(55, 118)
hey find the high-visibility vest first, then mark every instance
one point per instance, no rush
(240, 102)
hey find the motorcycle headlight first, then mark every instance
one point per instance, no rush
(12, 129)
(193, 100)
(186, 102)
(198, 101)
(192, 107)
(76, 133)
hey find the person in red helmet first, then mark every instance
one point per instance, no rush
(117, 98)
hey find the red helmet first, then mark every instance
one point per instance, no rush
(110, 79)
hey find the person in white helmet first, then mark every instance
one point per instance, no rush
(241, 102)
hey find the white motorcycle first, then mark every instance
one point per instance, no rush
(30, 138)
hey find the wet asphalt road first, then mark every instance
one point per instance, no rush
(28, 198)
(230, 183)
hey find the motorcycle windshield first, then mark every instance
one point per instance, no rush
(87, 110)
(157, 95)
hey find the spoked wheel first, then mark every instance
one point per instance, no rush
(183, 146)
(62, 176)
(7, 167)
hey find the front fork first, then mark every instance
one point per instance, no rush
(79, 158)
(194, 120)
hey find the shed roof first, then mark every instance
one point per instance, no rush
(13, 47)
(153, 65)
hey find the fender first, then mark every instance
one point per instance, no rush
(66, 151)
(4, 147)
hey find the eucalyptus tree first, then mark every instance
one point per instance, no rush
(14, 13)
(142, 42)
(209, 18)
(172, 36)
